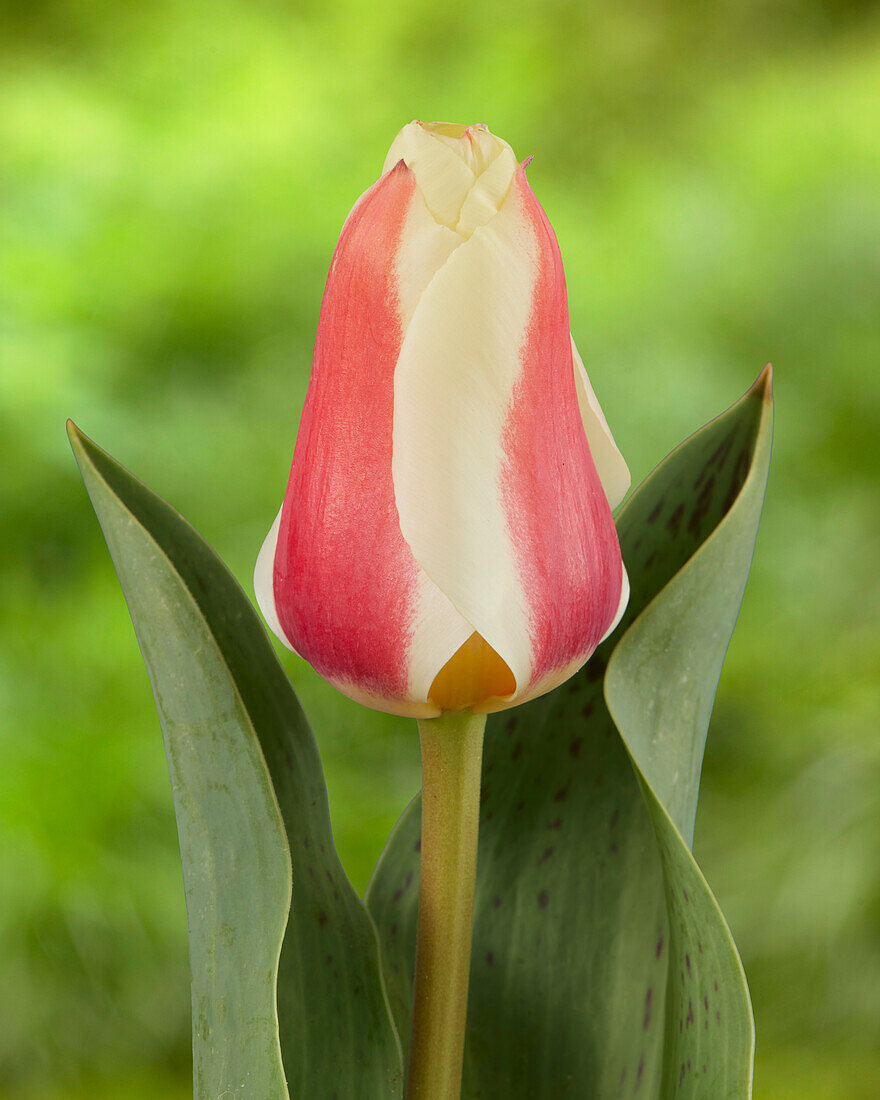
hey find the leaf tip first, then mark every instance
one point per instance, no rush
(85, 451)
(83, 446)
(76, 435)
(764, 383)
(77, 440)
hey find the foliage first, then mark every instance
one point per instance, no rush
(551, 1012)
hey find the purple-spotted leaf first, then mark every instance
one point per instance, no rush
(659, 687)
(260, 871)
(597, 944)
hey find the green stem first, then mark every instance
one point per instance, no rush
(452, 751)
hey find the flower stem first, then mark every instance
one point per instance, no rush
(452, 751)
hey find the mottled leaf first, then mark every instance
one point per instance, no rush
(581, 915)
(260, 871)
(660, 687)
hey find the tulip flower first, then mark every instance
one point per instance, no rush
(446, 539)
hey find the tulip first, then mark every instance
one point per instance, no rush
(446, 540)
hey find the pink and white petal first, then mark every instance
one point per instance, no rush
(425, 246)
(404, 708)
(556, 676)
(610, 464)
(343, 581)
(497, 493)
(346, 592)
(459, 364)
(561, 523)
(552, 679)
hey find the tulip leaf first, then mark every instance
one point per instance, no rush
(598, 946)
(659, 687)
(267, 900)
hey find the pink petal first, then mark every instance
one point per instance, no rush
(345, 582)
(560, 521)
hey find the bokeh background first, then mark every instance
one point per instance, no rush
(173, 176)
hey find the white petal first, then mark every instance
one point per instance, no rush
(438, 631)
(621, 607)
(424, 248)
(455, 375)
(485, 147)
(488, 192)
(462, 172)
(610, 465)
(443, 178)
(264, 581)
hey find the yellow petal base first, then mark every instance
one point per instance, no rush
(473, 674)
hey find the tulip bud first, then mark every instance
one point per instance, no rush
(446, 540)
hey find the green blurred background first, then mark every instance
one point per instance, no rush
(173, 177)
